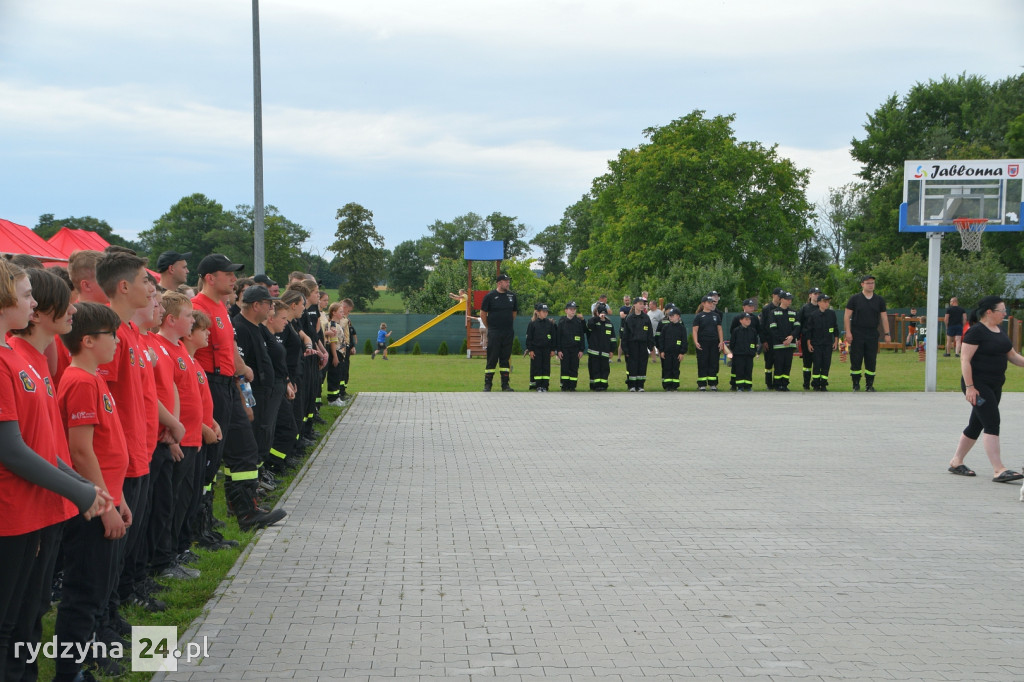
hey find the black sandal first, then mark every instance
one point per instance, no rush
(1008, 476)
(961, 470)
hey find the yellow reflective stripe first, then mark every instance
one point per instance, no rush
(245, 475)
(277, 453)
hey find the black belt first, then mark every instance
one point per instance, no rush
(220, 378)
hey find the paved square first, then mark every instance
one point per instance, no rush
(625, 536)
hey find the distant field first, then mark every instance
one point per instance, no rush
(421, 373)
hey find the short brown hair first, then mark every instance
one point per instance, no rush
(173, 303)
(200, 320)
(51, 293)
(82, 265)
(116, 266)
(303, 287)
(90, 318)
(9, 274)
(26, 261)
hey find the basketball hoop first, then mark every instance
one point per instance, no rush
(970, 230)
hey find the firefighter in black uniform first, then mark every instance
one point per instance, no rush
(540, 344)
(571, 331)
(498, 312)
(744, 342)
(600, 344)
(806, 310)
(823, 334)
(638, 344)
(766, 319)
(782, 333)
(863, 313)
(672, 346)
(707, 339)
(749, 306)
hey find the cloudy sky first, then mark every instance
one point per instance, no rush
(428, 110)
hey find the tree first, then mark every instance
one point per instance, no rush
(361, 256)
(446, 238)
(833, 216)
(199, 225)
(964, 117)
(407, 268)
(48, 226)
(694, 193)
(551, 241)
(448, 276)
(282, 240)
(505, 229)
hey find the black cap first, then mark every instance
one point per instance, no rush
(824, 297)
(257, 295)
(571, 304)
(866, 278)
(640, 299)
(786, 294)
(713, 293)
(814, 290)
(540, 306)
(263, 279)
(746, 316)
(217, 262)
(673, 311)
(169, 258)
(705, 299)
(749, 301)
(600, 308)
(501, 277)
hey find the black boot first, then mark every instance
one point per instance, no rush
(488, 382)
(250, 516)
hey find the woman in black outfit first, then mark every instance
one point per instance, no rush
(985, 352)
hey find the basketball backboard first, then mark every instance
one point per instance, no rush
(936, 192)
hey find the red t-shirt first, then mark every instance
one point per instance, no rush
(125, 377)
(204, 390)
(151, 395)
(24, 397)
(184, 375)
(164, 367)
(63, 360)
(86, 400)
(219, 356)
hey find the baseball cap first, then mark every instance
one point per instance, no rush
(640, 299)
(217, 262)
(257, 295)
(778, 291)
(600, 308)
(169, 258)
(263, 279)
(814, 290)
(824, 297)
(705, 299)
(501, 277)
(746, 316)
(713, 293)
(540, 306)
(571, 304)
(749, 301)
(786, 294)
(673, 311)
(866, 278)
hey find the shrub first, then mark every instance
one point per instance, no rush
(368, 347)
(416, 349)
(517, 348)
(443, 348)
(464, 347)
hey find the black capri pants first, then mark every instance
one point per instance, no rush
(985, 417)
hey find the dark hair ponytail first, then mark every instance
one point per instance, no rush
(984, 305)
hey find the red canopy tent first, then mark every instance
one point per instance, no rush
(67, 240)
(15, 238)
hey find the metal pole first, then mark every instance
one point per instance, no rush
(931, 341)
(259, 266)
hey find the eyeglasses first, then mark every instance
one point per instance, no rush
(997, 310)
(112, 333)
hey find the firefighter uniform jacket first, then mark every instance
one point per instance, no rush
(805, 313)
(755, 324)
(674, 339)
(252, 340)
(637, 329)
(571, 334)
(822, 328)
(784, 323)
(600, 336)
(540, 335)
(745, 340)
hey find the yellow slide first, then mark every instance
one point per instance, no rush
(458, 307)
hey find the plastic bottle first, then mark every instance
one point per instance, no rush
(250, 399)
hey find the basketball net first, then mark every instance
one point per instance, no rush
(970, 230)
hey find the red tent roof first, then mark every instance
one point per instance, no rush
(15, 238)
(67, 240)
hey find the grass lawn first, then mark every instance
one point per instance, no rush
(389, 302)
(895, 372)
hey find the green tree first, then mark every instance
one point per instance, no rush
(49, 226)
(971, 276)
(282, 240)
(199, 225)
(833, 215)
(318, 266)
(962, 117)
(360, 255)
(505, 229)
(446, 237)
(686, 283)
(448, 276)
(694, 193)
(407, 268)
(903, 280)
(552, 242)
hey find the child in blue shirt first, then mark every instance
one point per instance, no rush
(382, 342)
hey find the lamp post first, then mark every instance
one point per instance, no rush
(259, 266)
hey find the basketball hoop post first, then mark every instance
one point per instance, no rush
(931, 322)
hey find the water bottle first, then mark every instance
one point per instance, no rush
(250, 399)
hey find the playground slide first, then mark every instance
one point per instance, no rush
(458, 307)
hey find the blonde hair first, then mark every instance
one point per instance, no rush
(334, 307)
(174, 303)
(9, 274)
(82, 266)
(200, 320)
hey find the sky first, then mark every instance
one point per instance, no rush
(422, 111)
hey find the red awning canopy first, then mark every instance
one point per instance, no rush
(67, 240)
(15, 238)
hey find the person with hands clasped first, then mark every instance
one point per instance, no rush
(985, 351)
(572, 331)
(540, 345)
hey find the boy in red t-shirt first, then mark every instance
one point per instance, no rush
(99, 452)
